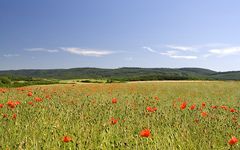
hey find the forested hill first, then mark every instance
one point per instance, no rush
(125, 74)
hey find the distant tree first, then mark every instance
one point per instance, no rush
(5, 80)
(109, 81)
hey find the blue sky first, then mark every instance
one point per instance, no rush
(119, 33)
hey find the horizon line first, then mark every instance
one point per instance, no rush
(2, 70)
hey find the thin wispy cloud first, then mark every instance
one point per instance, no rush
(11, 55)
(175, 53)
(87, 52)
(184, 57)
(169, 53)
(180, 48)
(149, 49)
(42, 50)
(199, 51)
(221, 52)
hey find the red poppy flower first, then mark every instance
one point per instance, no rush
(145, 133)
(193, 107)
(38, 99)
(156, 98)
(204, 114)
(183, 105)
(17, 103)
(214, 107)
(203, 104)
(232, 110)
(30, 93)
(114, 100)
(2, 90)
(1, 105)
(11, 104)
(14, 116)
(224, 107)
(66, 139)
(233, 140)
(149, 109)
(114, 121)
(30, 103)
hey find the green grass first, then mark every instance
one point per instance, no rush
(84, 111)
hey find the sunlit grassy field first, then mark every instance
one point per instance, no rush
(161, 115)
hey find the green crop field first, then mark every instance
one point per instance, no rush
(151, 115)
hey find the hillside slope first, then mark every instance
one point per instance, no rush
(125, 73)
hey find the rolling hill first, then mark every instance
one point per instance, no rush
(125, 74)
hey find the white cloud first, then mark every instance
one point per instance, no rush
(184, 57)
(221, 52)
(149, 49)
(11, 55)
(87, 52)
(181, 48)
(174, 54)
(42, 50)
(169, 53)
(205, 50)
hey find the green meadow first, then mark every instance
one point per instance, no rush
(186, 115)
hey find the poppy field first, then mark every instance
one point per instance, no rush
(154, 115)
